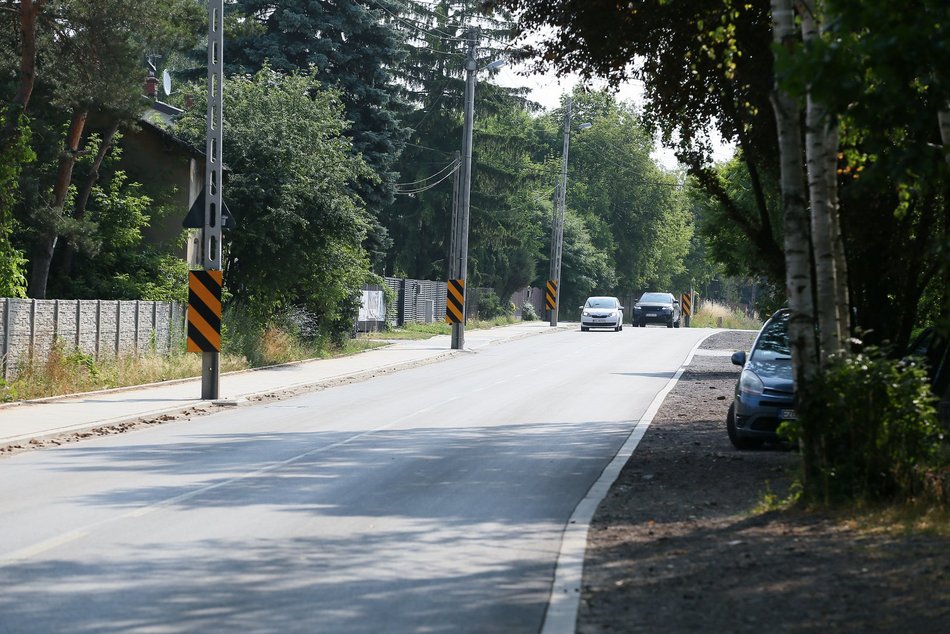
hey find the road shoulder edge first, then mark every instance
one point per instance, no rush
(561, 614)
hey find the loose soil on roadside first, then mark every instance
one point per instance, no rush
(683, 542)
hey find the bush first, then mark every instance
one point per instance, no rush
(490, 306)
(868, 430)
(528, 313)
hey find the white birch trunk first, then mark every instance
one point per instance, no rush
(943, 117)
(797, 251)
(818, 145)
(843, 293)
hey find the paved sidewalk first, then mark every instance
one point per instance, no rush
(22, 422)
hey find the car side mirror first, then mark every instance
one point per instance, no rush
(581, 307)
(738, 357)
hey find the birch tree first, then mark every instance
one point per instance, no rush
(801, 328)
(820, 151)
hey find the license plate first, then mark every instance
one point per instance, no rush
(651, 314)
(600, 319)
(786, 414)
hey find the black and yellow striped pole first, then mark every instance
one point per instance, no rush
(686, 304)
(204, 311)
(455, 302)
(550, 300)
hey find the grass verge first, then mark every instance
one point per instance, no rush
(70, 371)
(715, 315)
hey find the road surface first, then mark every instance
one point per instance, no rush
(429, 500)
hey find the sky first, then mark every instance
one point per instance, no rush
(547, 89)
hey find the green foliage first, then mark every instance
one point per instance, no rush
(12, 260)
(724, 241)
(301, 224)
(868, 430)
(432, 77)
(352, 49)
(491, 306)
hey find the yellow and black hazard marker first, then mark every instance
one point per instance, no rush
(550, 295)
(455, 302)
(204, 311)
(687, 304)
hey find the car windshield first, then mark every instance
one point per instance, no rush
(656, 298)
(773, 340)
(601, 302)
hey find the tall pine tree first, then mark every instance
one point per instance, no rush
(433, 79)
(354, 47)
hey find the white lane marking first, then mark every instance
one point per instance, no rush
(561, 614)
(28, 552)
(41, 547)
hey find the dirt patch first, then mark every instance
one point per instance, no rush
(678, 544)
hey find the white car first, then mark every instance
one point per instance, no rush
(602, 312)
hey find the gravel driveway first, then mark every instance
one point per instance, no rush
(684, 543)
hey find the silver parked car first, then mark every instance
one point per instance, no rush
(602, 312)
(764, 394)
(657, 308)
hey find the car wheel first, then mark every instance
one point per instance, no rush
(742, 444)
(676, 324)
(617, 328)
(642, 324)
(670, 323)
(584, 328)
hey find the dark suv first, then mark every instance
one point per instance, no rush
(764, 393)
(657, 308)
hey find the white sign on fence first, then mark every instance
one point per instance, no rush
(372, 308)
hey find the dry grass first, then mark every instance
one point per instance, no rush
(69, 371)
(715, 315)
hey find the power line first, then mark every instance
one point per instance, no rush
(454, 165)
(431, 149)
(427, 178)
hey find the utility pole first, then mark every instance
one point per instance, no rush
(558, 231)
(211, 232)
(458, 269)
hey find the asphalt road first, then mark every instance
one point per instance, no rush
(429, 500)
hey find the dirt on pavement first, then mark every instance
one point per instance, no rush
(684, 540)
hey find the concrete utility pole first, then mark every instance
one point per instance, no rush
(458, 268)
(558, 231)
(211, 232)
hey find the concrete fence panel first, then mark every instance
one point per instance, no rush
(30, 328)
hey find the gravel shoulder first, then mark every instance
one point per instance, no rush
(683, 542)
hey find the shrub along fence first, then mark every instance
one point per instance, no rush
(29, 328)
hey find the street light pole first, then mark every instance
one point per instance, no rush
(558, 232)
(459, 260)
